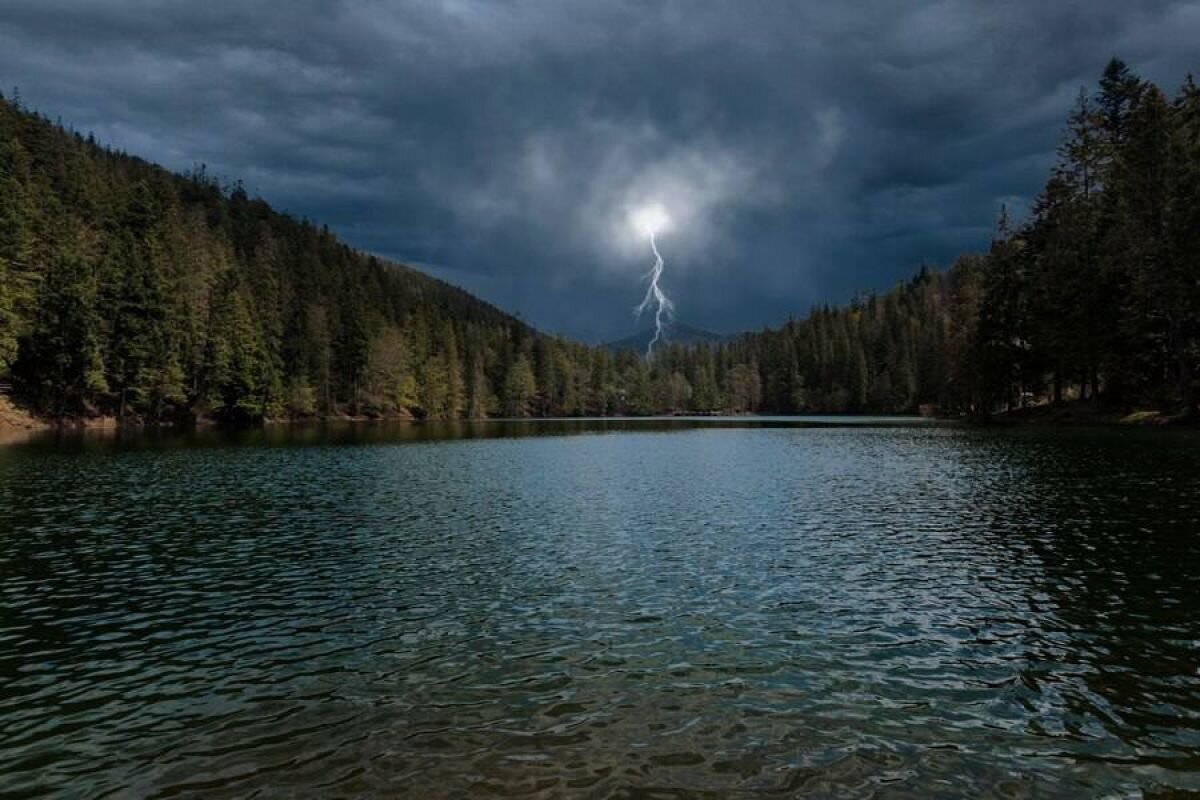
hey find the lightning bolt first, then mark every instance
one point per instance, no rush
(654, 296)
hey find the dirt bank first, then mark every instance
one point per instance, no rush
(16, 423)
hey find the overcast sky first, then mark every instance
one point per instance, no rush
(805, 150)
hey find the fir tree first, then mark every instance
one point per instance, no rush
(520, 387)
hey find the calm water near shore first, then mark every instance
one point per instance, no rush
(629, 608)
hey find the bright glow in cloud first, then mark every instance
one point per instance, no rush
(650, 220)
(595, 190)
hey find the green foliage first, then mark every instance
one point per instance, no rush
(61, 362)
(8, 318)
(127, 290)
(16, 217)
(520, 387)
(743, 388)
(234, 377)
(195, 299)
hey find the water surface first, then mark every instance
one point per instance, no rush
(736, 608)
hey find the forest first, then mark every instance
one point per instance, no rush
(131, 292)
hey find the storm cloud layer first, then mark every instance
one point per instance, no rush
(806, 150)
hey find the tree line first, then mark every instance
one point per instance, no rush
(129, 291)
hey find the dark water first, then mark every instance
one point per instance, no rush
(591, 610)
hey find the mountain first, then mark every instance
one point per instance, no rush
(676, 333)
(131, 292)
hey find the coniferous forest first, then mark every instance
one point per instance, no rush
(131, 292)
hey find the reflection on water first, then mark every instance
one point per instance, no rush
(673, 608)
(397, 431)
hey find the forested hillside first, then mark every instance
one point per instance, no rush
(130, 291)
(126, 290)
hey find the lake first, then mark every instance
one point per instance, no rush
(643, 608)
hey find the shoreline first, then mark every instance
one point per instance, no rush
(18, 424)
(1083, 414)
(18, 428)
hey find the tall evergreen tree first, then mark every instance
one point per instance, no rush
(60, 363)
(1180, 285)
(520, 387)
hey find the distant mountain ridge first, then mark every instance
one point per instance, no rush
(676, 333)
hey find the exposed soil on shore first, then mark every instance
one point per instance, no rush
(16, 423)
(13, 417)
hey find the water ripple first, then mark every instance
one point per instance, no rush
(725, 611)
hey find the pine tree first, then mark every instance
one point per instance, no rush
(61, 364)
(234, 379)
(1181, 278)
(456, 388)
(1069, 305)
(482, 401)
(16, 248)
(353, 343)
(1119, 89)
(1000, 338)
(520, 388)
(1138, 245)
(8, 319)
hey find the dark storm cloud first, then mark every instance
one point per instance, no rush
(806, 150)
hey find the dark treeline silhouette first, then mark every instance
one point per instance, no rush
(1098, 295)
(126, 290)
